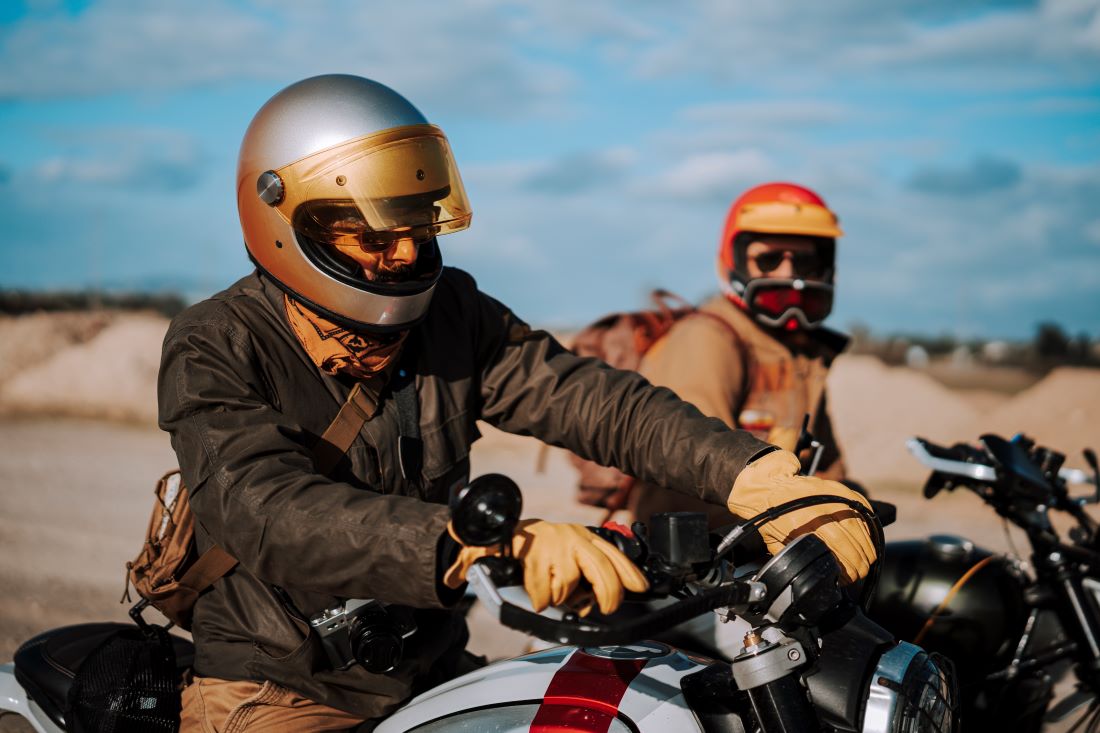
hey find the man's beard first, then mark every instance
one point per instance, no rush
(393, 275)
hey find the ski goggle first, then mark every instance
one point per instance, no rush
(804, 264)
(776, 302)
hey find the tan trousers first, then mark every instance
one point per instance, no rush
(212, 705)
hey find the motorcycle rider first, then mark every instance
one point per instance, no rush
(760, 360)
(342, 189)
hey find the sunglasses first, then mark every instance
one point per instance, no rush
(804, 264)
(342, 223)
(376, 242)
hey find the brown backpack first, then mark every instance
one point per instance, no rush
(168, 573)
(621, 340)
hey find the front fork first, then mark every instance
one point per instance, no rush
(1078, 609)
(768, 671)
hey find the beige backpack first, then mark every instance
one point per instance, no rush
(622, 340)
(169, 573)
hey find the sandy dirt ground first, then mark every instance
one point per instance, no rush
(76, 494)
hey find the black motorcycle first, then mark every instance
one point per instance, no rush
(1011, 631)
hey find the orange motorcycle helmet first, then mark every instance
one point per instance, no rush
(779, 208)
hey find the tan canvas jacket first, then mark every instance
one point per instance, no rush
(244, 406)
(752, 381)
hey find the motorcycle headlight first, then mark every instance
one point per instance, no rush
(911, 691)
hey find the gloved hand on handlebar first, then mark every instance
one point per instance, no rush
(555, 556)
(772, 480)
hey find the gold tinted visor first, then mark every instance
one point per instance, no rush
(781, 217)
(363, 192)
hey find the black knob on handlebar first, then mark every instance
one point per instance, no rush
(485, 512)
(680, 537)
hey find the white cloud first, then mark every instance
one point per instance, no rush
(504, 57)
(785, 112)
(717, 174)
(1002, 260)
(458, 55)
(135, 158)
(116, 45)
(794, 45)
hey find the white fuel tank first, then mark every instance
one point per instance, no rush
(614, 688)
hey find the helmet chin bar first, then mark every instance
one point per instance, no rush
(792, 318)
(351, 324)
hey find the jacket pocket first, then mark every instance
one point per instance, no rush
(273, 664)
(447, 445)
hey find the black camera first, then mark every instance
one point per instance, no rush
(362, 630)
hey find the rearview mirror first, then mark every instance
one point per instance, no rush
(485, 511)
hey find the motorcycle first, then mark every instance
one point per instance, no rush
(810, 660)
(1011, 631)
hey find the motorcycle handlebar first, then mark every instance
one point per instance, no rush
(570, 629)
(951, 461)
(737, 595)
(1015, 477)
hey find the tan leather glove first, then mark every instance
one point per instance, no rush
(772, 480)
(555, 557)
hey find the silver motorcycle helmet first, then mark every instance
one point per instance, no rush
(336, 169)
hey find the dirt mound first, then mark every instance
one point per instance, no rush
(112, 375)
(26, 341)
(1061, 412)
(104, 365)
(876, 408)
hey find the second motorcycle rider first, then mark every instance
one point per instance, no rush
(342, 188)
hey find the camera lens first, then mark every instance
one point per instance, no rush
(375, 643)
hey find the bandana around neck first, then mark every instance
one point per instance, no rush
(335, 349)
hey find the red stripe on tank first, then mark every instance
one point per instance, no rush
(584, 694)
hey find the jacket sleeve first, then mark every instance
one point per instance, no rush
(531, 385)
(256, 492)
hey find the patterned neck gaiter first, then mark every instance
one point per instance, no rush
(335, 349)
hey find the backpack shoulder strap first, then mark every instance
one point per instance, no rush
(359, 407)
(211, 565)
(742, 349)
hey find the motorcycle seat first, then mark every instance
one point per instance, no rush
(47, 664)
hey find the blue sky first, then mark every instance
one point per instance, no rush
(600, 143)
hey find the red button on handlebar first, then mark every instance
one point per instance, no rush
(620, 528)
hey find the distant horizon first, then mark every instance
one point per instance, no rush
(643, 303)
